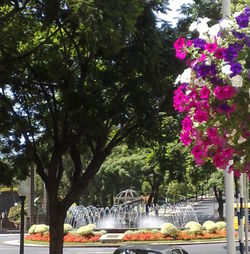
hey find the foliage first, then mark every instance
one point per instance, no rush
(190, 223)
(41, 228)
(67, 228)
(169, 229)
(32, 229)
(195, 228)
(15, 213)
(77, 79)
(86, 230)
(221, 224)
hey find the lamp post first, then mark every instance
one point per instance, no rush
(23, 191)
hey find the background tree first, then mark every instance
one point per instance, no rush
(217, 183)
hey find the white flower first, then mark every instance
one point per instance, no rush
(236, 14)
(214, 30)
(226, 23)
(241, 140)
(178, 79)
(201, 26)
(199, 82)
(226, 69)
(186, 76)
(193, 26)
(237, 81)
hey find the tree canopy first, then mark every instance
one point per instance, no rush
(77, 78)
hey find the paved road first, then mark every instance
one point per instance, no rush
(205, 209)
(192, 249)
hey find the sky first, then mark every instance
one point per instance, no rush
(173, 15)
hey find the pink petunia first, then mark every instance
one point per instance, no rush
(197, 151)
(204, 92)
(185, 138)
(211, 47)
(180, 54)
(200, 115)
(179, 43)
(187, 123)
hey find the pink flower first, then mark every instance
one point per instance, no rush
(187, 123)
(179, 43)
(180, 54)
(202, 58)
(189, 43)
(227, 153)
(224, 92)
(218, 53)
(200, 115)
(218, 161)
(180, 101)
(197, 151)
(199, 161)
(212, 132)
(185, 138)
(204, 92)
(211, 47)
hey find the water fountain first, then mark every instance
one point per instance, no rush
(129, 212)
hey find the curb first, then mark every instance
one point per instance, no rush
(17, 243)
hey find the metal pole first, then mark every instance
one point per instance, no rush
(246, 195)
(22, 226)
(229, 191)
(241, 226)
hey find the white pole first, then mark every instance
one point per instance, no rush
(229, 188)
(246, 195)
(241, 226)
(229, 193)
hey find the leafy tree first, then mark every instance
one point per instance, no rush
(217, 183)
(122, 170)
(76, 79)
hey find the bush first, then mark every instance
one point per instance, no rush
(221, 224)
(32, 229)
(210, 226)
(86, 230)
(195, 228)
(41, 228)
(15, 213)
(169, 229)
(66, 228)
(129, 232)
(190, 223)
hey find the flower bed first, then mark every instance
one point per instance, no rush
(69, 238)
(86, 234)
(182, 235)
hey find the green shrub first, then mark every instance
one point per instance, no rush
(210, 226)
(32, 229)
(190, 223)
(208, 222)
(169, 229)
(129, 232)
(15, 213)
(41, 228)
(221, 224)
(66, 228)
(86, 230)
(195, 228)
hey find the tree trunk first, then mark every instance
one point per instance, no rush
(219, 198)
(220, 208)
(56, 219)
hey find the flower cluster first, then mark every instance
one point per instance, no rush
(214, 92)
(69, 238)
(182, 235)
